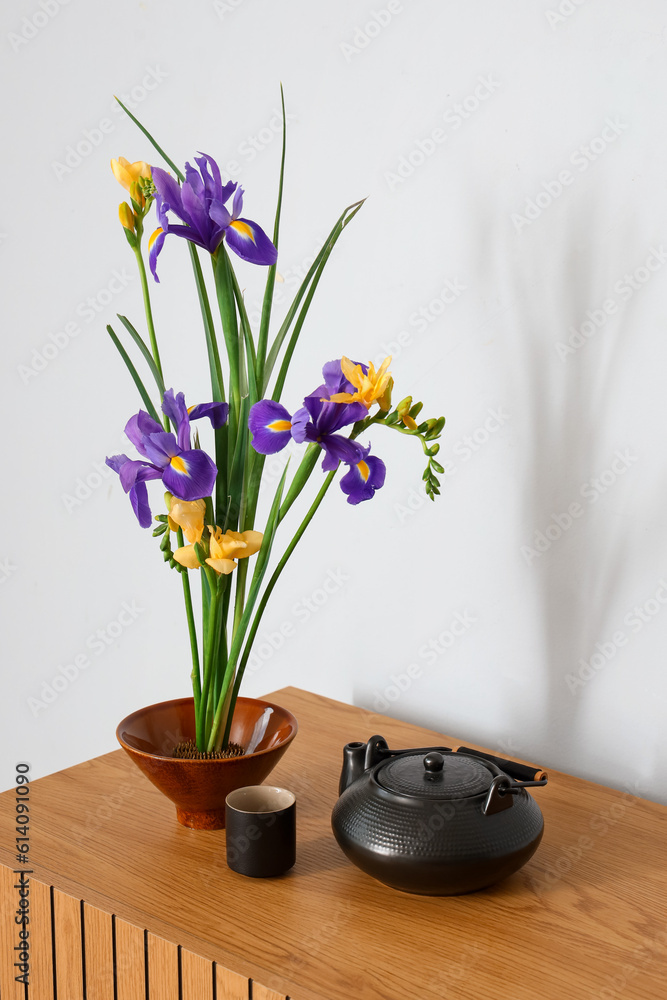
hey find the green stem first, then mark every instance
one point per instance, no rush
(147, 308)
(209, 660)
(187, 596)
(269, 588)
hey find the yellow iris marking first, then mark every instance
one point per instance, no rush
(153, 237)
(280, 425)
(364, 471)
(244, 229)
(178, 465)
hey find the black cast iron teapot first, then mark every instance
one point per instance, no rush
(435, 821)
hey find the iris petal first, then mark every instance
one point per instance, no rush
(250, 242)
(363, 478)
(197, 478)
(340, 449)
(169, 191)
(140, 506)
(216, 412)
(264, 421)
(138, 427)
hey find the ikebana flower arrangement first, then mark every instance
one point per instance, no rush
(209, 456)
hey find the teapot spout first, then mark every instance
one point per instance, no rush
(354, 757)
(358, 757)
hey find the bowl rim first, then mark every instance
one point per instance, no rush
(216, 760)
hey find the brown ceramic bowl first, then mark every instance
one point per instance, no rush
(199, 787)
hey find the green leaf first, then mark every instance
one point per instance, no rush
(141, 344)
(217, 737)
(314, 272)
(152, 141)
(271, 276)
(135, 375)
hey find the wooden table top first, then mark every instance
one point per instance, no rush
(586, 917)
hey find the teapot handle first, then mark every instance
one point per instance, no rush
(523, 773)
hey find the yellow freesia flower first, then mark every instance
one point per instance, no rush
(127, 173)
(403, 410)
(188, 515)
(224, 549)
(126, 216)
(370, 388)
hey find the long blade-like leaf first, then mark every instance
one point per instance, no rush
(135, 375)
(152, 141)
(262, 342)
(323, 255)
(141, 344)
(239, 634)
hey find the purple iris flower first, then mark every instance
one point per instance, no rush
(318, 421)
(200, 204)
(364, 478)
(188, 473)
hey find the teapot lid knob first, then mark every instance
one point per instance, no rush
(434, 762)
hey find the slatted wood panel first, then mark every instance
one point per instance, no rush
(230, 986)
(130, 962)
(9, 939)
(196, 976)
(99, 954)
(262, 993)
(41, 953)
(69, 958)
(162, 969)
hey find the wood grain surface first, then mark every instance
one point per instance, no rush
(41, 960)
(196, 977)
(130, 958)
(230, 986)
(68, 951)
(162, 968)
(99, 954)
(586, 918)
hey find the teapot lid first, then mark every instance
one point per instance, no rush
(435, 775)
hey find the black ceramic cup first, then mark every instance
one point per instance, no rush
(261, 830)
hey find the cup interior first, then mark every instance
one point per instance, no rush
(260, 799)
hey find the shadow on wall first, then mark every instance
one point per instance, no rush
(569, 403)
(577, 576)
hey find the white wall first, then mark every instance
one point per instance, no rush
(519, 95)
